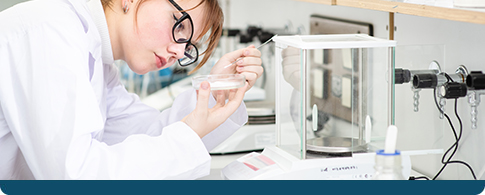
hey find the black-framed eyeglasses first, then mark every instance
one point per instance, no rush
(182, 32)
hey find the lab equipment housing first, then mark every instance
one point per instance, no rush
(344, 80)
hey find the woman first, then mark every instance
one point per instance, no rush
(64, 113)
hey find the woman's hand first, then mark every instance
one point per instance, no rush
(249, 65)
(203, 119)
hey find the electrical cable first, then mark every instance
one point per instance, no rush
(418, 178)
(456, 147)
(457, 137)
(448, 78)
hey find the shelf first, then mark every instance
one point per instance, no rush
(327, 2)
(476, 16)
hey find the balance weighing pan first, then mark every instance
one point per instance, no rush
(335, 145)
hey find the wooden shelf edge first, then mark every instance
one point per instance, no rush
(326, 2)
(461, 15)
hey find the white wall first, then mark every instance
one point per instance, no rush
(277, 13)
(463, 43)
(451, 43)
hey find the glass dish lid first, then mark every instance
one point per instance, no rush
(220, 81)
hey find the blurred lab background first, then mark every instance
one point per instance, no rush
(254, 21)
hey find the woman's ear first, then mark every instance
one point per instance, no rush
(126, 4)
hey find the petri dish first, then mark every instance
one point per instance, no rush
(220, 81)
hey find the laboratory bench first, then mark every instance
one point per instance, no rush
(220, 161)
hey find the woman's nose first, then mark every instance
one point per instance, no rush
(178, 49)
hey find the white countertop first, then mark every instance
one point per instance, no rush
(220, 161)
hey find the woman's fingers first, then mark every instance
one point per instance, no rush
(245, 56)
(249, 61)
(236, 97)
(203, 96)
(232, 93)
(252, 75)
(204, 120)
(220, 98)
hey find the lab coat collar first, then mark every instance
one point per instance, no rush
(97, 13)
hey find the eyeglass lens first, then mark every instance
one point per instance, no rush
(183, 31)
(190, 55)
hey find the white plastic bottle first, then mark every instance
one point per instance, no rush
(388, 161)
(388, 166)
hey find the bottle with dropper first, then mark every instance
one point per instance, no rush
(388, 161)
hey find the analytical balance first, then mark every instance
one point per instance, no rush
(333, 105)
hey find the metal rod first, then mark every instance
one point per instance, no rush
(304, 99)
(390, 103)
(269, 40)
(362, 79)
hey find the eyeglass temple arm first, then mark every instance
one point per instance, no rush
(176, 5)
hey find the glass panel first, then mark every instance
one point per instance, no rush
(336, 89)
(378, 97)
(348, 87)
(287, 100)
(418, 123)
(333, 39)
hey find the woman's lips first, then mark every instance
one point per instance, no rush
(160, 61)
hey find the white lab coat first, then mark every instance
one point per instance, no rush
(65, 115)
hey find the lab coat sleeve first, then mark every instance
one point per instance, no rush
(53, 113)
(54, 116)
(127, 115)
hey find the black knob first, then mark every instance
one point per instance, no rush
(453, 90)
(476, 80)
(253, 31)
(245, 39)
(264, 36)
(401, 76)
(231, 32)
(425, 81)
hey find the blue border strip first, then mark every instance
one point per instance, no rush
(243, 187)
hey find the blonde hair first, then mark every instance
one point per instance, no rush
(213, 23)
